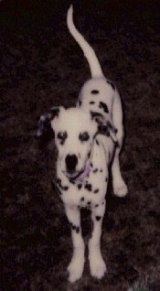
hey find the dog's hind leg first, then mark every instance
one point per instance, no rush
(76, 265)
(96, 262)
(119, 186)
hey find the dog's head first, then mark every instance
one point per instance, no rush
(74, 131)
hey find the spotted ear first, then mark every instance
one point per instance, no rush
(44, 131)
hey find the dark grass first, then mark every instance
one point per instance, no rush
(42, 66)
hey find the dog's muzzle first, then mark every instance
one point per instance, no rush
(73, 175)
(80, 177)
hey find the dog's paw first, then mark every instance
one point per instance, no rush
(75, 269)
(120, 188)
(97, 267)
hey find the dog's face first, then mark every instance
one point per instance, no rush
(74, 132)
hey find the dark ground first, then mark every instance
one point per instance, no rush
(42, 66)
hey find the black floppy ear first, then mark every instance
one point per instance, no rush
(44, 131)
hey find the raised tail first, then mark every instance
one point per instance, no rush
(95, 67)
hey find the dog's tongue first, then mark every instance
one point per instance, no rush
(84, 174)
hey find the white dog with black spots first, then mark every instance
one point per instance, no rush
(89, 138)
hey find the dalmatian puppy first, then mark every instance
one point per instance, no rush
(88, 138)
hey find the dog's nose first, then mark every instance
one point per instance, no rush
(71, 162)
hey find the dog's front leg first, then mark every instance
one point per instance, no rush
(76, 265)
(96, 262)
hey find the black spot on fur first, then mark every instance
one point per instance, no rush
(96, 191)
(106, 179)
(96, 205)
(101, 170)
(91, 102)
(117, 144)
(59, 182)
(89, 203)
(111, 84)
(95, 115)
(89, 154)
(98, 218)
(79, 186)
(97, 142)
(84, 136)
(72, 181)
(65, 188)
(98, 117)
(62, 137)
(95, 91)
(95, 170)
(88, 187)
(103, 106)
(79, 102)
(82, 198)
(111, 127)
(103, 129)
(74, 227)
(77, 229)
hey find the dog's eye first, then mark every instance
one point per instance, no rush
(84, 136)
(62, 135)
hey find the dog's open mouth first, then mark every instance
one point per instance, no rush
(73, 175)
(79, 176)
